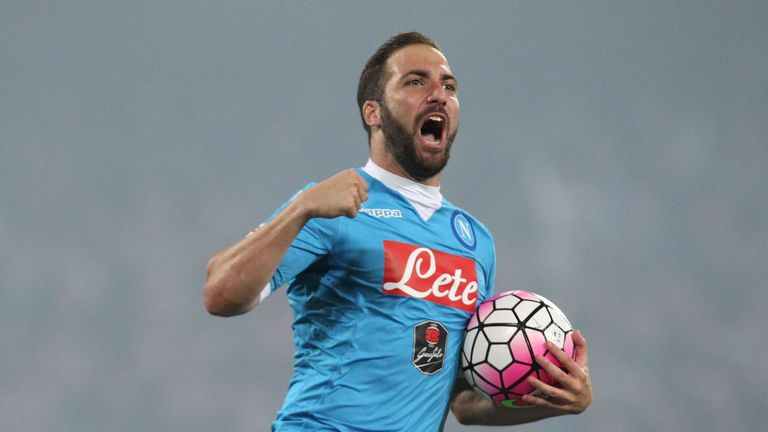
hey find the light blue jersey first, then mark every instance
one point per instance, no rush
(380, 304)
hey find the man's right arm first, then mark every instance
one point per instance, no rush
(237, 275)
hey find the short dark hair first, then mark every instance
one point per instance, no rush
(371, 84)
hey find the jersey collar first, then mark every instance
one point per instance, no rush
(425, 199)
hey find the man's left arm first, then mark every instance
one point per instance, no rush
(572, 393)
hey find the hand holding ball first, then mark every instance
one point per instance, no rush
(504, 336)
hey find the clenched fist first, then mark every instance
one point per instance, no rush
(340, 195)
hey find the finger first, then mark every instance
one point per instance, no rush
(362, 187)
(565, 360)
(580, 349)
(351, 212)
(538, 401)
(353, 207)
(545, 402)
(361, 194)
(354, 177)
(547, 391)
(356, 184)
(554, 371)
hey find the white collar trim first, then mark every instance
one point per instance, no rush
(424, 198)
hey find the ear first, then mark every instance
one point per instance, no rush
(372, 113)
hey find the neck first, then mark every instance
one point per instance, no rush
(381, 157)
(425, 199)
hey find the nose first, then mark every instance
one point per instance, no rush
(437, 94)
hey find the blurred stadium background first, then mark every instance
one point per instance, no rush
(618, 151)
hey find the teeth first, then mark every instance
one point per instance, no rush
(436, 118)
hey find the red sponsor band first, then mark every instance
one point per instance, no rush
(428, 274)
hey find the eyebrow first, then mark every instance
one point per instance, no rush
(424, 74)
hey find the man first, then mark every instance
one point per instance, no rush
(384, 273)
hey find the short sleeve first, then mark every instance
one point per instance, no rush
(312, 242)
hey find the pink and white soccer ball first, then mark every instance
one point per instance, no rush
(504, 335)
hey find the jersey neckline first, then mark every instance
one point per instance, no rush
(425, 199)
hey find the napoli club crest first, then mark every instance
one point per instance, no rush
(429, 339)
(463, 230)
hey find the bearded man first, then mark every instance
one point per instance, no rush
(382, 272)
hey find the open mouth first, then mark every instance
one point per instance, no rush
(433, 128)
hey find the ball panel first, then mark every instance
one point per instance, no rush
(499, 333)
(557, 314)
(561, 320)
(537, 342)
(500, 316)
(483, 310)
(514, 373)
(554, 334)
(525, 308)
(522, 388)
(520, 350)
(479, 349)
(488, 376)
(486, 389)
(506, 302)
(499, 356)
(539, 320)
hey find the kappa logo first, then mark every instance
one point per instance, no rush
(382, 213)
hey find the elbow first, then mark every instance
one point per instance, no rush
(463, 417)
(225, 292)
(214, 293)
(467, 406)
(212, 307)
(213, 299)
(212, 290)
(462, 420)
(217, 304)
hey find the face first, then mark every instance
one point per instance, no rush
(420, 110)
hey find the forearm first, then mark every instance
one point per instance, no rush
(470, 408)
(237, 275)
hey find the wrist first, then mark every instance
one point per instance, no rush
(298, 210)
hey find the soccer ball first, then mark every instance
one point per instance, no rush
(504, 335)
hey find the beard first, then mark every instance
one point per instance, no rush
(400, 143)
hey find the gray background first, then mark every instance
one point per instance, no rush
(617, 149)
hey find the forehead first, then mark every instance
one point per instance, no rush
(417, 57)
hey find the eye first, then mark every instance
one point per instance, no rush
(415, 82)
(449, 87)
